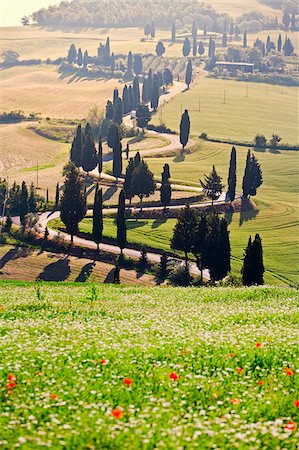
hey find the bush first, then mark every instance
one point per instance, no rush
(160, 128)
(179, 276)
(203, 136)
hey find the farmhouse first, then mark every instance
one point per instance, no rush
(235, 66)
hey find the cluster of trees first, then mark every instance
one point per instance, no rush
(289, 21)
(84, 152)
(150, 30)
(197, 48)
(77, 57)
(267, 47)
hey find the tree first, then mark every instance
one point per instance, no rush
(224, 40)
(194, 47)
(184, 230)
(260, 141)
(24, 205)
(201, 48)
(100, 156)
(245, 39)
(127, 151)
(279, 43)
(25, 20)
(184, 129)
(137, 159)
(137, 65)
(76, 150)
(173, 32)
(89, 152)
(199, 248)
(126, 100)
(163, 267)
(143, 183)
(32, 199)
(128, 180)
(253, 176)
(145, 96)
(47, 196)
(231, 28)
(130, 63)
(107, 47)
(155, 95)
(166, 173)
(160, 49)
(85, 59)
(293, 22)
(73, 201)
(121, 221)
(113, 134)
(288, 48)
(186, 47)
(110, 111)
(212, 185)
(147, 30)
(118, 116)
(218, 248)
(72, 54)
(80, 58)
(167, 77)
(286, 20)
(116, 274)
(153, 30)
(57, 196)
(97, 218)
(115, 97)
(117, 156)
(143, 116)
(136, 90)
(131, 98)
(212, 48)
(10, 57)
(274, 141)
(253, 265)
(188, 77)
(165, 189)
(112, 62)
(232, 176)
(194, 29)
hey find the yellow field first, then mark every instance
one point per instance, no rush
(40, 89)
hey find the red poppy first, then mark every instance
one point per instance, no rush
(11, 385)
(296, 403)
(239, 370)
(260, 382)
(11, 377)
(258, 345)
(290, 426)
(54, 396)
(103, 362)
(289, 371)
(231, 355)
(128, 381)
(117, 413)
(173, 376)
(37, 373)
(235, 401)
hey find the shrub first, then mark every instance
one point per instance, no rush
(179, 276)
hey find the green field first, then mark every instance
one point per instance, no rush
(266, 110)
(148, 368)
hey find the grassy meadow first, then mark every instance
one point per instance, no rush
(225, 111)
(105, 367)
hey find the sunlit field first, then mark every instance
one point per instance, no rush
(148, 368)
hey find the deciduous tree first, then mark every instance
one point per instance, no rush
(212, 185)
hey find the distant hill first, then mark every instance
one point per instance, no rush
(124, 13)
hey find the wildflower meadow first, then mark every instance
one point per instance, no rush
(105, 367)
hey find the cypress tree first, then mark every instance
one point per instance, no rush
(201, 48)
(143, 116)
(225, 251)
(80, 58)
(126, 100)
(112, 62)
(128, 180)
(165, 193)
(194, 29)
(145, 91)
(183, 234)
(247, 176)
(212, 48)
(117, 156)
(100, 156)
(118, 117)
(127, 151)
(212, 185)
(121, 221)
(149, 84)
(253, 266)
(137, 64)
(110, 111)
(137, 159)
(116, 274)
(232, 176)
(231, 29)
(279, 43)
(245, 39)
(97, 218)
(89, 152)
(163, 267)
(194, 47)
(130, 63)
(24, 206)
(107, 47)
(166, 173)
(72, 54)
(173, 32)
(136, 91)
(293, 22)
(186, 47)
(188, 78)
(160, 49)
(218, 248)
(115, 97)
(155, 95)
(76, 149)
(113, 132)
(47, 196)
(200, 244)
(153, 30)
(32, 203)
(57, 196)
(143, 183)
(73, 201)
(131, 98)
(253, 176)
(85, 59)
(184, 129)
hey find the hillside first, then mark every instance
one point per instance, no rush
(83, 365)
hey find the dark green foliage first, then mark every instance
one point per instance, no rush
(184, 129)
(73, 201)
(118, 116)
(186, 47)
(167, 77)
(143, 116)
(32, 199)
(121, 221)
(194, 47)
(155, 95)
(212, 185)
(110, 111)
(188, 78)
(46, 234)
(13, 201)
(7, 224)
(286, 20)
(143, 183)
(85, 59)
(137, 159)
(288, 48)
(218, 248)
(117, 154)
(293, 22)
(279, 43)
(194, 29)
(180, 276)
(274, 141)
(97, 219)
(200, 244)
(112, 62)
(173, 32)
(160, 49)
(113, 135)
(184, 231)
(100, 156)
(127, 151)
(253, 176)
(212, 47)
(145, 96)
(143, 261)
(24, 206)
(107, 46)
(80, 58)
(253, 266)
(136, 91)
(76, 149)
(116, 274)
(115, 97)
(47, 196)
(153, 30)
(245, 39)
(260, 141)
(137, 64)
(232, 176)
(57, 196)
(72, 54)
(201, 48)
(126, 100)
(130, 63)
(89, 152)
(128, 180)
(163, 267)
(166, 173)
(165, 194)
(131, 98)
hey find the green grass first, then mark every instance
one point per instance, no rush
(240, 117)
(53, 344)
